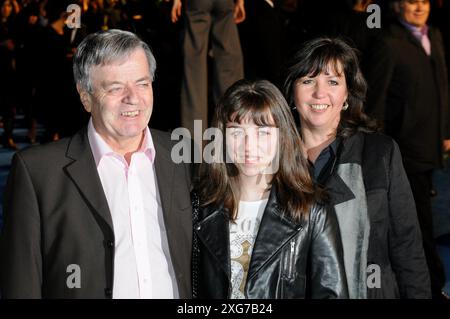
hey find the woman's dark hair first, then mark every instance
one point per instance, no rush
(317, 56)
(261, 102)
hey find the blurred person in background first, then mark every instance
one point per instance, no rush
(409, 96)
(208, 24)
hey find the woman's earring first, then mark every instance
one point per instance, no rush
(294, 108)
(345, 106)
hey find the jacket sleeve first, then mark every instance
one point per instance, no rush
(405, 240)
(443, 82)
(326, 261)
(20, 248)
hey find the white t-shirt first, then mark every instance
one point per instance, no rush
(242, 238)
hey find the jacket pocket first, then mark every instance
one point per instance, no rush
(294, 287)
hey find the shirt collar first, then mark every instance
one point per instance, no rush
(415, 30)
(334, 145)
(100, 148)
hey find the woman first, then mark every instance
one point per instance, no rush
(362, 172)
(259, 231)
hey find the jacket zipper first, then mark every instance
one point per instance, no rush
(291, 259)
(292, 250)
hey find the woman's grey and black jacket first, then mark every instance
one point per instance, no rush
(289, 259)
(375, 208)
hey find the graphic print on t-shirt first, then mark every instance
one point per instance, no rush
(242, 239)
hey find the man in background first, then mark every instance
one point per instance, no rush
(409, 96)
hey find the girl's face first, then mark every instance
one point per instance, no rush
(319, 99)
(252, 148)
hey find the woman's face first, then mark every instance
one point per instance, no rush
(6, 9)
(252, 148)
(319, 99)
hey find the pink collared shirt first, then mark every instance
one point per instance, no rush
(421, 34)
(142, 263)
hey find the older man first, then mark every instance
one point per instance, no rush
(106, 213)
(408, 94)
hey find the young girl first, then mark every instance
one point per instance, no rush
(259, 232)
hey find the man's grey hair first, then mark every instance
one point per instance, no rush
(103, 48)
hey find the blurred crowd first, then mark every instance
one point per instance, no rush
(36, 48)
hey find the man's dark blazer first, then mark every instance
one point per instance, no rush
(409, 94)
(56, 215)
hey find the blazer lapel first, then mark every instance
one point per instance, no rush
(341, 192)
(83, 173)
(410, 37)
(274, 232)
(164, 169)
(335, 185)
(436, 45)
(176, 224)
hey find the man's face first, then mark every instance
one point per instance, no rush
(122, 99)
(415, 12)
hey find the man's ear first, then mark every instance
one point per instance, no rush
(84, 98)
